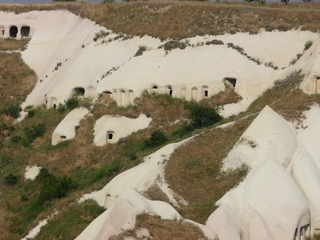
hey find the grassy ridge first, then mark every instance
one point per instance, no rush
(187, 19)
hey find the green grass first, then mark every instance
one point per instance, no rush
(71, 221)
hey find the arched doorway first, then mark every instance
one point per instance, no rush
(205, 91)
(25, 31)
(194, 94)
(13, 31)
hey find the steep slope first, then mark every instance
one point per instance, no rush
(74, 57)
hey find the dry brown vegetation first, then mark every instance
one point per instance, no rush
(16, 79)
(186, 19)
(194, 170)
(286, 98)
(162, 229)
(10, 44)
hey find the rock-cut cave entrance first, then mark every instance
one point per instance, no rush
(25, 31)
(110, 135)
(13, 31)
(232, 81)
(78, 91)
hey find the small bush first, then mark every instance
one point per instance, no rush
(107, 171)
(307, 45)
(12, 110)
(53, 188)
(72, 103)
(30, 110)
(16, 139)
(61, 109)
(36, 130)
(214, 42)
(156, 139)
(24, 198)
(132, 156)
(202, 116)
(140, 51)
(10, 180)
(43, 174)
(174, 44)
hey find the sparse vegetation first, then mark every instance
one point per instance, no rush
(314, 237)
(203, 116)
(12, 110)
(30, 110)
(140, 51)
(156, 139)
(307, 45)
(10, 180)
(172, 44)
(69, 223)
(72, 103)
(59, 64)
(9, 44)
(163, 229)
(100, 34)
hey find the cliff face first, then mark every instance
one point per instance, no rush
(200, 177)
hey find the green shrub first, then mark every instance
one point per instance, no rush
(30, 110)
(156, 139)
(203, 116)
(308, 44)
(24, 198)
(43, 174)
(132, 155)
(12, 110)
(61, 109)
(72, 103)
(54, 188)
(16, 139)
(36, 130)
(10, 180)
(107, 171)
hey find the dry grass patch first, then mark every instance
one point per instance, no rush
(71, 221)
(222, 98)
(162, 229)
(16, 79)
(286, 98)
(194, 170)
(188, 19)
(9, 44)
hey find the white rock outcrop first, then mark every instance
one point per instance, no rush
(140, 178)
(109, 129)
(66, 128)
(273, 193)
(66, 56)
(31, 172)
(122, 215)
(268, 137)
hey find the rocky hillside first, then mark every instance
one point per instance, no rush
(153, 120)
